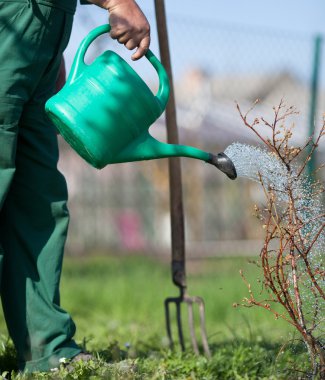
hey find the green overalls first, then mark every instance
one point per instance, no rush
(33, 195)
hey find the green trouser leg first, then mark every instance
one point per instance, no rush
(33, 195)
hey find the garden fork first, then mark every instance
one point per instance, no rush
(176, 209)
(179, 279)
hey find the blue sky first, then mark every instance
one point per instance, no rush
(293, 15)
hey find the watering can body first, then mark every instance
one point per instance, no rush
(105, 110)
(104, 107)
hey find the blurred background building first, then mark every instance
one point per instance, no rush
(216, 63)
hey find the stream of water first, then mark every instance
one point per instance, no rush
(261, 165)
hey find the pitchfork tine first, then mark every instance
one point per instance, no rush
(192, 330)
(167, 318)
(203, 330)
(177, 301)
(179, 325)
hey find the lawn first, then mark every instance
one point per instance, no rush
(117, 304)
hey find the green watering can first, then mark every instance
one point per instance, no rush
(105, 109)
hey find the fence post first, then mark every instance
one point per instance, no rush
(313, 96)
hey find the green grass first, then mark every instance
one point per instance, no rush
(117, 304)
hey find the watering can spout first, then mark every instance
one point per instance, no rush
(223, 163)
(146, 147)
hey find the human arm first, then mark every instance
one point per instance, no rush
(129, 25)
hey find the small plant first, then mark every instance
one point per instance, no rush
(293, 218)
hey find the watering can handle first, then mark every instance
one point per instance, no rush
(79, 64)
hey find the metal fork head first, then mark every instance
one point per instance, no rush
(190, 301)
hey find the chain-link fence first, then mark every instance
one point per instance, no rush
(125, 207)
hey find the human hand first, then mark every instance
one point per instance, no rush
(129, 25)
